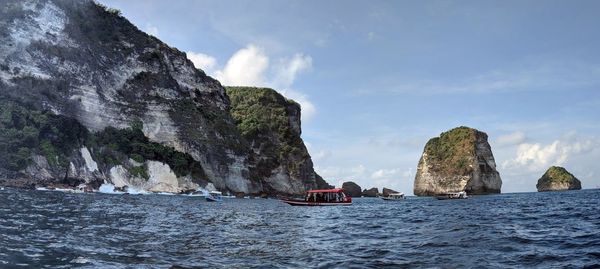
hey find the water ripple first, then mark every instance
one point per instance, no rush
(59, 230)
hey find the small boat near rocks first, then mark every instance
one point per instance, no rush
(214, 196)
(452, 195)
(329, 197)
(399, 196)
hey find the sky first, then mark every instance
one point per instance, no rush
(377, 79)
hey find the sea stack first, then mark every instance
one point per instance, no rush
(352, 189)
(372, 192)
(558, 178)
(386, 192)
(458, 160)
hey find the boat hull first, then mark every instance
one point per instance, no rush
(305, 203)
(449, 198)
(392, 199)
(212, 199)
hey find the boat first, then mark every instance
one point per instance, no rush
(398, 196)
(214, 196)
(328, 197)
(452, 195)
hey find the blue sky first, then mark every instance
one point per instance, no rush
(377, 79)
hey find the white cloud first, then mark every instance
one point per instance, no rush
(385, 173)
(245, 68)
(308, 108)
(511, 139)
(250, 66)
(538, 77)
(538, 157)
(358, 170)
(287, 70)
(202, 61)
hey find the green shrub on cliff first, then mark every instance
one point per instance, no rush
(261, 112)
(24, 130)
(557, 174)
(132, 142)
(452, 150)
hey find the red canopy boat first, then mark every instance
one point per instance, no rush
(330, 197)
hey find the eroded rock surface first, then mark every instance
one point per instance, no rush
(458, 160)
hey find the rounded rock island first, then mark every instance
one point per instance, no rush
(558, 178)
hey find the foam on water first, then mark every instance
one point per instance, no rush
(108, 188)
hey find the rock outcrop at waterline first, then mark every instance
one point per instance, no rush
(386, 192)
(88, 98)
(352, 189)
(372, 192)
(558, 178)
(458, 160)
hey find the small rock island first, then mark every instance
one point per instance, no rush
(558, 178)
(352, 189)
(458, 160)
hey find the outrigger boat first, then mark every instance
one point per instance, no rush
(330, 197)
(214, 196)
(394, 197)
(452, 195)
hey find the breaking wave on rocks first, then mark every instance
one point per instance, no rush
(58, 229)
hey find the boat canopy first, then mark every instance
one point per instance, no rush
(327, 190)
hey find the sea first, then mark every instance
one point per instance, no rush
(51, 229)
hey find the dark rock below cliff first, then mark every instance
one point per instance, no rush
(372, 192)
(386, 192)
(458, 160)
(558, 179)
(352, 189)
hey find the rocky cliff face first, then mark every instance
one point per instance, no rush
(558, 179)
(78, 62)
(458, 160)
(352, 189)
(270, 124)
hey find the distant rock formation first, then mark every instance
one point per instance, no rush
(372, 192)
(352, 189)
(558, 178)
(458, 160)
(386, 192)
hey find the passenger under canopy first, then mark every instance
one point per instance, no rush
(322, 197)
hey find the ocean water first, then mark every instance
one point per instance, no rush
(62, 230)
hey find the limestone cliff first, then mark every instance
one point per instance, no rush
(558, 179)
(458, 160)
(89, 98)
(270, 123)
